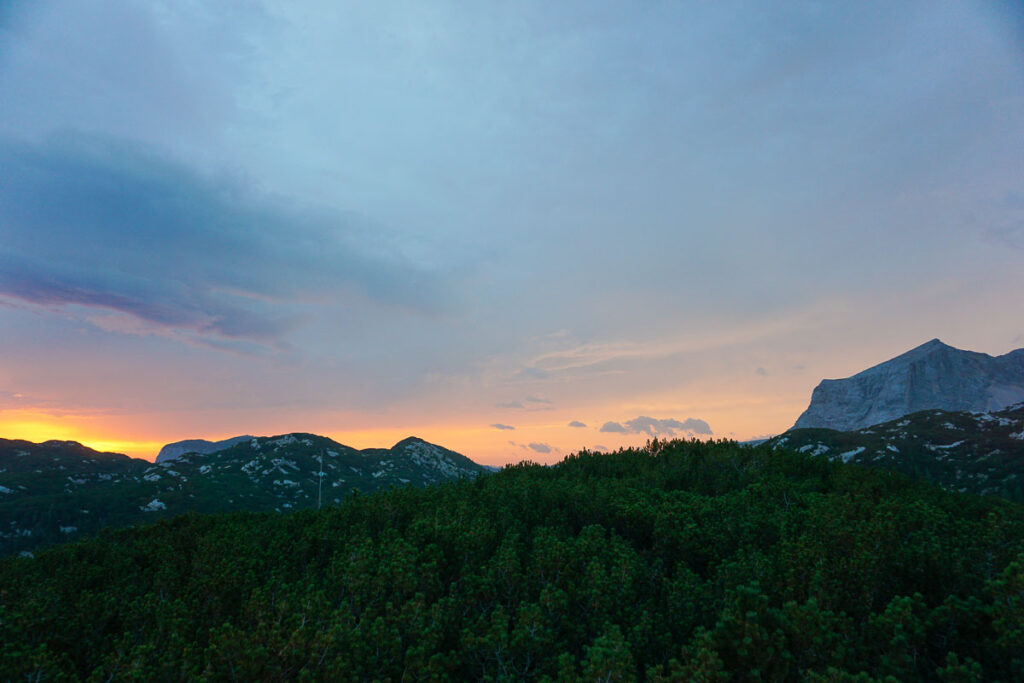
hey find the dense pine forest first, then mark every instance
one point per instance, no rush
(679, 561)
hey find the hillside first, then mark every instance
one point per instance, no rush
(59, 490)
(933, 376)
(977, 452)
(180, 448)
(684, 561)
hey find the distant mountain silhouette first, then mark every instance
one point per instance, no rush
(933, 376)
(179, 448)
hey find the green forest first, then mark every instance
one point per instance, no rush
(680, 561)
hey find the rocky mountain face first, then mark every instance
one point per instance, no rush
(179, 448)
(933, 376)
(60, 490)
(969, 452)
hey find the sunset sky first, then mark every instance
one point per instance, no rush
(515, 229)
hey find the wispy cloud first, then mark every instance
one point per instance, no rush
(532, 373)
(577, 423)
(498, 425)
(531, 403)
(540, 447)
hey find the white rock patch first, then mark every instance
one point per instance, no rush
(848, 455)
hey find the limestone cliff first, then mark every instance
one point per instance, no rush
(931, 376)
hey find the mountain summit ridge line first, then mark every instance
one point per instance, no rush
(931, 376)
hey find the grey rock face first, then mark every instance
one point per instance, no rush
(180, 448)
(929, 377)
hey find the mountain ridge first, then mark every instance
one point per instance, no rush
(178, 448)
(932, 376)
(57, 491)
(969, 452)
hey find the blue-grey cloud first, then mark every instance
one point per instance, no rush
(667, 427)
(761, 371)
(105, 224)
(540, 447)
(531, 403)
(498, 425)
(599, 447)
(657, 427)
(532, 373)
(577, 423)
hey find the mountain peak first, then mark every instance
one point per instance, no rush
(931, 376)
(929, 347)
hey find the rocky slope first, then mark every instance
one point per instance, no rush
(59, 490)
(929, 377)
(976, 452)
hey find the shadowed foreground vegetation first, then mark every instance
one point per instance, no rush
(682, 561)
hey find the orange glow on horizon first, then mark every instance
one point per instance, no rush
(740, 417)
(38, 427)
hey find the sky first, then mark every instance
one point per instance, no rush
(514, 229)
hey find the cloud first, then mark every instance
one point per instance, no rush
(657, 427)
(761, 371)
(113, 226)
(1002, 219)
(14, 400)
(667, 427)
(498, 425)
(531, 403)
(532, 373)
(577, 423)
(541, 447)
(599, 447)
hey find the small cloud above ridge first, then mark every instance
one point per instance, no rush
(658, 427)
(613, 428)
